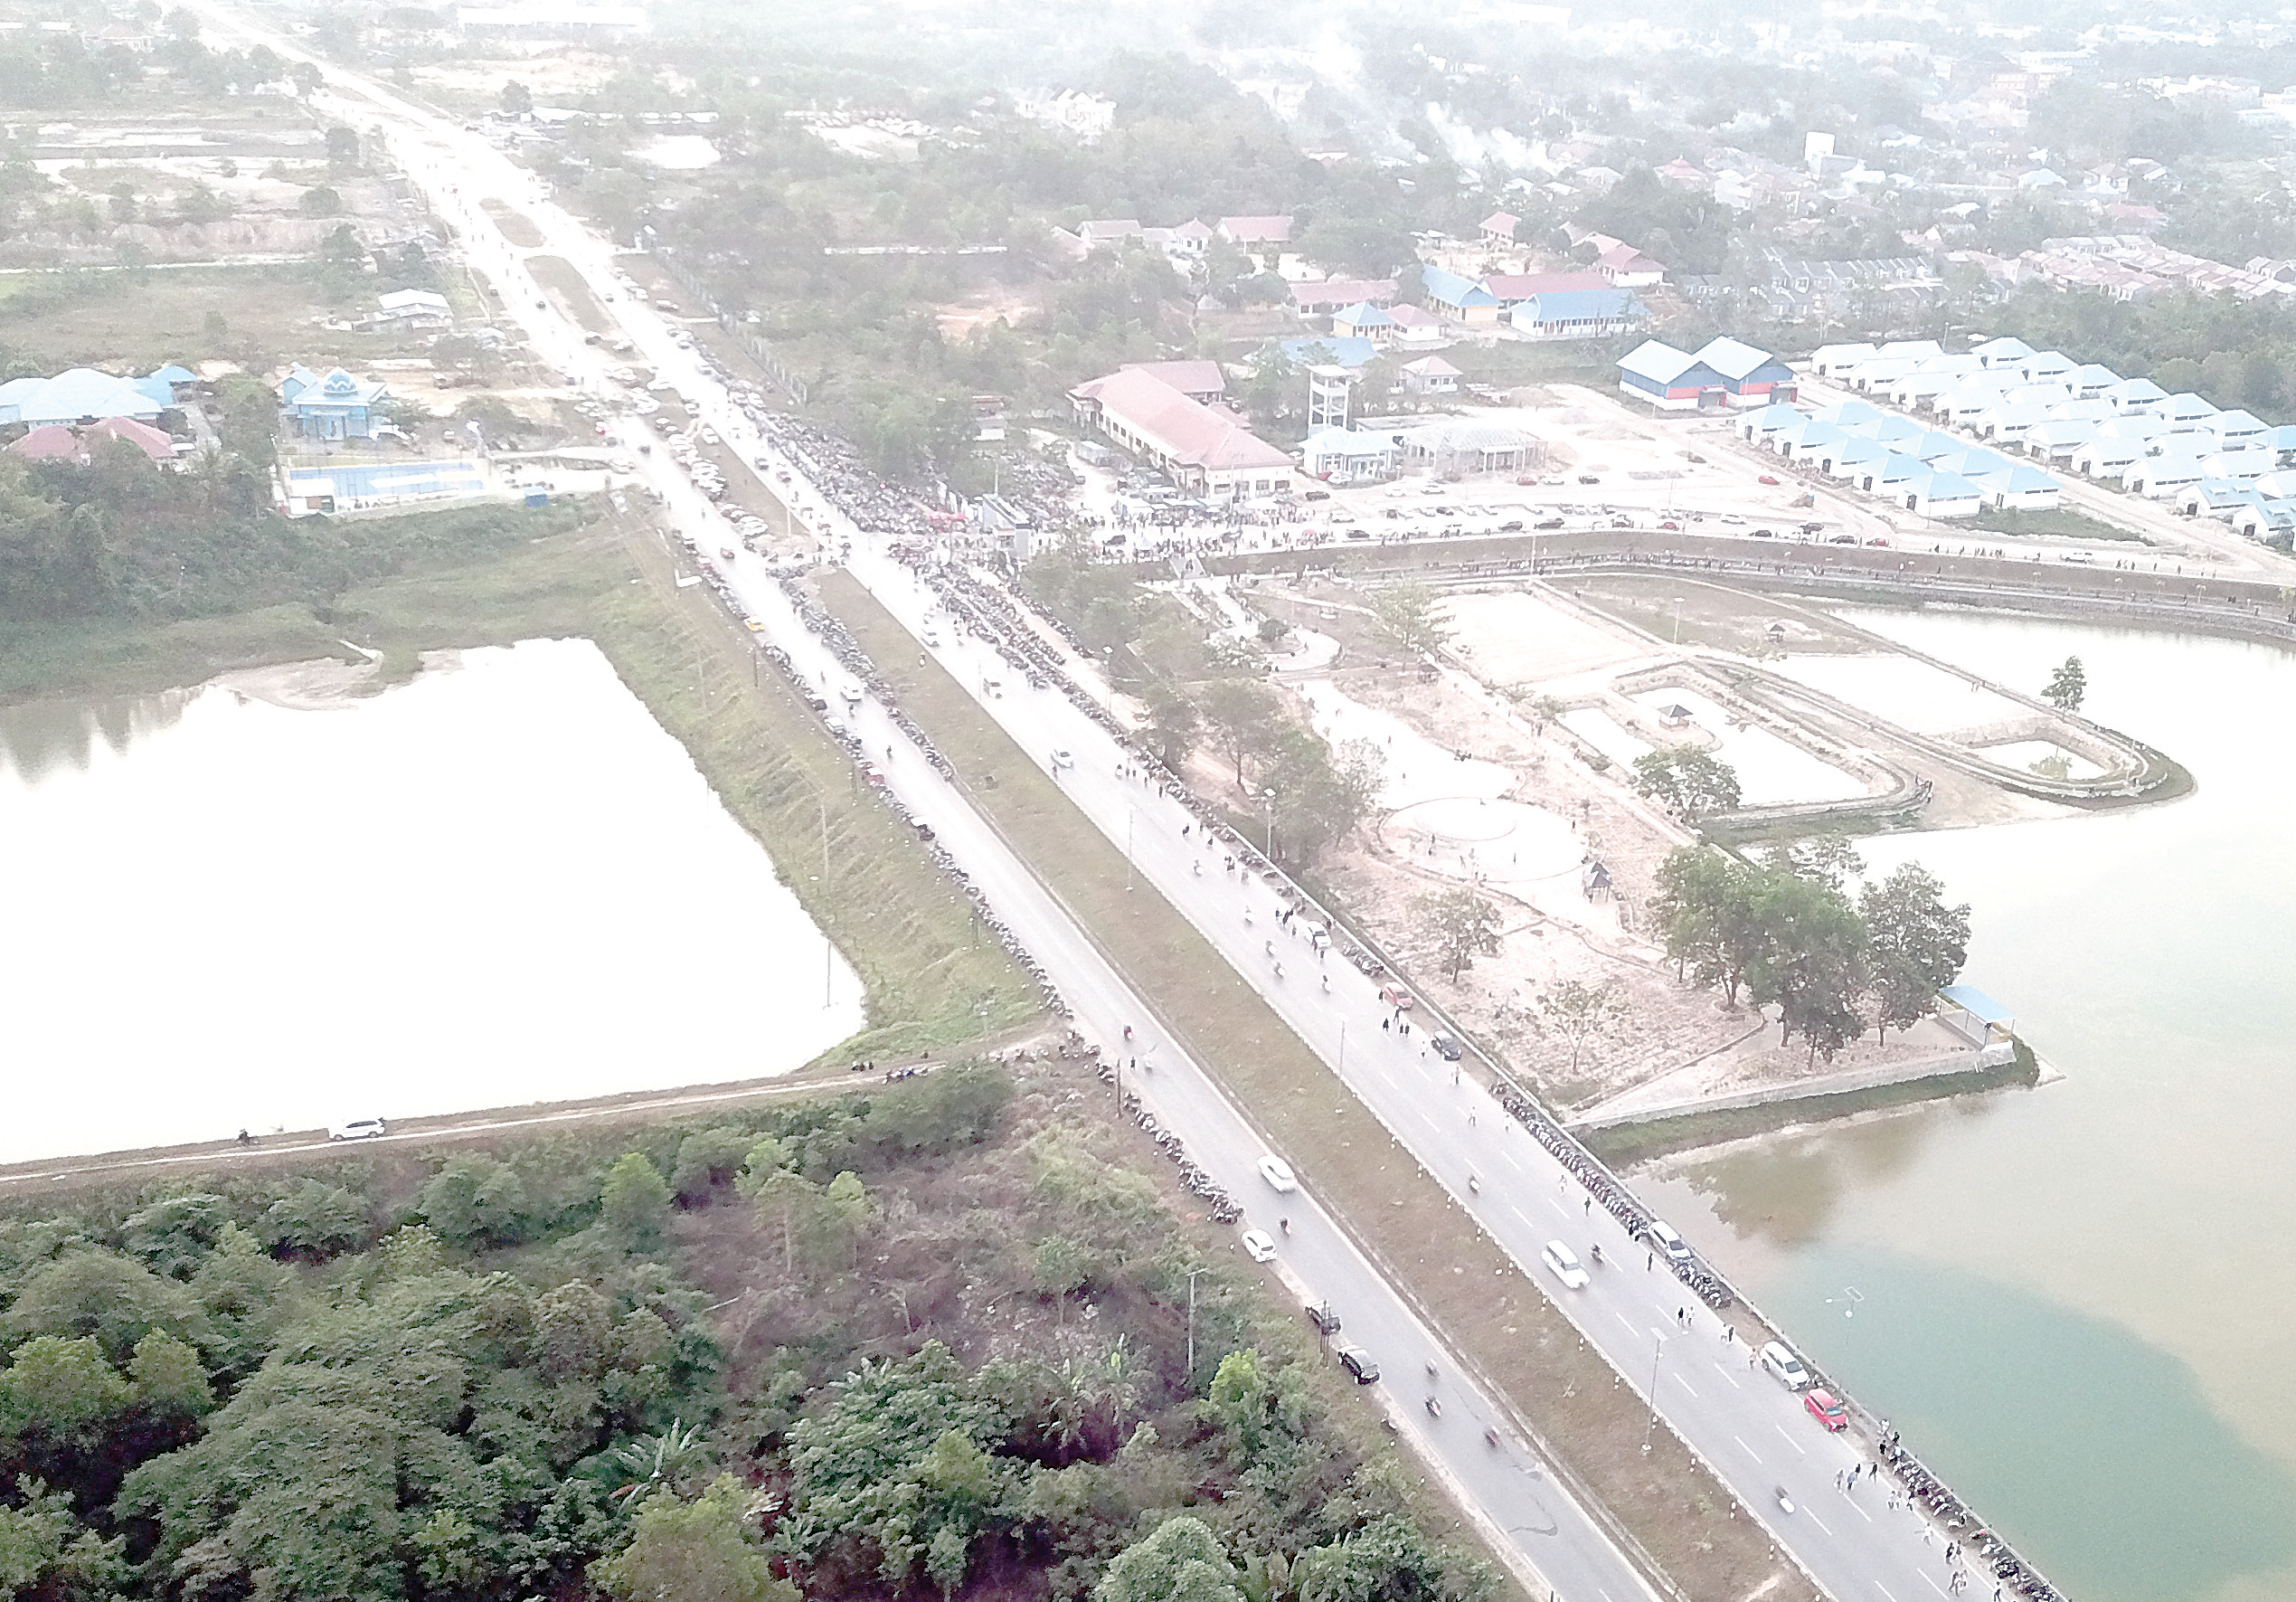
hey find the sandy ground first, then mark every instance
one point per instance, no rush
(317, 686)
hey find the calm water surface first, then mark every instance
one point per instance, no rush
(503, 882)
(2078, 1302)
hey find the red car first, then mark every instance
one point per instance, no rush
(1395, 996)
(1823, 1408)
(1671, 525)
(1765, 478)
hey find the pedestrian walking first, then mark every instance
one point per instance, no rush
(1588, 1207)
(1649, 1261)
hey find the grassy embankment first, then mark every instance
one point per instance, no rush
(933, 979)
(1592, 1426)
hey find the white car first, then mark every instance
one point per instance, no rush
(1564, 1265)
(1785, 1366)
(1278, 1173)
(1258, 1246)
(358, 1129)
(1061, 759)
(1668, 1245)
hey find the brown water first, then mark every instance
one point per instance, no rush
(501, 883)
(2076, 1302)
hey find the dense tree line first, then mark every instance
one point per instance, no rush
(117, 538)
(1785, 932)
(840, 1350)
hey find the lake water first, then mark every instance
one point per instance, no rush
(2076, 1302)
(503, 882)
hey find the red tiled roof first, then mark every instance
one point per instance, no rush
(1190, 378)
(1188, 432)
(153, 442)
(51, 442)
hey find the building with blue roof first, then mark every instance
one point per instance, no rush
(1578, 314)
(332, 405)
(1364, 320)
(1750, 377)
(1936, 494)
(80, 394)
(1462, 299)
(1671, 380)
(2017, 487)
(1343, 350)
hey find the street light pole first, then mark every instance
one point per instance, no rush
(1191, 1368)
(1268, 801)
(1658, 1350)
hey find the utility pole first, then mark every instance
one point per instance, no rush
(1191, 1369)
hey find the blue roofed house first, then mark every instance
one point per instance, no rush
(1363, 320)
(1813, 437)
(1347, 456)
(2017, 487)
(1671, 379)
(1938, 494)
(1578, 314)
(1757, 427)
(1462, 299)
(331, 405)
(1344, 350)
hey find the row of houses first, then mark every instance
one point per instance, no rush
(1925, 470)
(1721, 374)
(88, 395)
(1186, 239)
(2080, 416)
(1452, 448)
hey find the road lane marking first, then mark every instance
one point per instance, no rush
(1630, 1327)
(1558, 1207)
(1726, 1374)
(1861, 1511)
(1885, 1591)
(1818, 1522)
(1795, 1445)
(1750, 1451)
(1679, 1380)
(1935, 1587)
(1518, 1213)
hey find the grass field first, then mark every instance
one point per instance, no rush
(933, 979)
(143, 319)
(1594, 1429)
(517, 226)
(2058, 520)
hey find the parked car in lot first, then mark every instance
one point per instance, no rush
(1784, 1367)
(358, 1129)
(1550, 523)
(1358, 1362)
(1765, 478)
(1278, 1173)
(1258, 1246)
(1322, 1316)
(1564, 1265)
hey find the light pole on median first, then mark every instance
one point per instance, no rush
(1658, 1350)
(1267, 799)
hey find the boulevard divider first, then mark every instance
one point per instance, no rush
(1662, 1506)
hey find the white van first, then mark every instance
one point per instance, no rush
(1785, 1366)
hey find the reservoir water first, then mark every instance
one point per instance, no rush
(2077, 1303)
(503, 882)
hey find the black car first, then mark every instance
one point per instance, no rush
(1321, 1314)
(1358, 1362)
(1588, 479)
(1550, 523)
(1447, 1046)
(1513, 526)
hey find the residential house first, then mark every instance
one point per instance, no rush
(1364, 320)
(414, 308)
(1462, 299)
(1626, 268)
(1325, 296)
(1512, 289)
(1936, 494)
(2017, 487)
(1255, 233)
(1417, 328)
(1431, 375)
(1750, 377)
(1499, 229)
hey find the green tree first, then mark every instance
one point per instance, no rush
(2068, 687)
(1813, 962)
(694, 1551)
(518, 99)
(1172, 724)
(634, 1196)
(1917, 943)
(46, 1553)
(1181, 1562)
(321, 200)
(707, 1159)
(103, 1295)
(474, 1201)
(1581, 1013)
(341, 146)
(1410, 611)
(61, 1387)
(1457, 925)
(1243, 718)
(1689, 782)
(169, 1378)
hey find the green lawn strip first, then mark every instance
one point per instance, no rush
(2057, 520)
(1593, 1427)
(557, 274)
